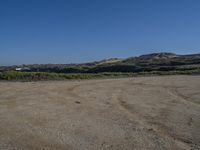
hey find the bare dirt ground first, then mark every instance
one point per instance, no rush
(144, 113)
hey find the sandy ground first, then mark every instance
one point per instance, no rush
(144, 113)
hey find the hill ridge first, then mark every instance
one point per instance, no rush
(163, 61)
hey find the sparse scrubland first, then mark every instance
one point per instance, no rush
(151, 64)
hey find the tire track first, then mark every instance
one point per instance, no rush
(172, 90)
(157, 129)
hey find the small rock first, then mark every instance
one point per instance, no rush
(150, 129)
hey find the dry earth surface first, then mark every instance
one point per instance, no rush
(143, 113)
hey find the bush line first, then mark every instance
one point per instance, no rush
(35, 76)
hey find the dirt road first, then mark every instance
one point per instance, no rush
(144, 113)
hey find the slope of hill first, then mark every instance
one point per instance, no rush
(149, 62)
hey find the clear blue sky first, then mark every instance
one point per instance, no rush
(73, 31)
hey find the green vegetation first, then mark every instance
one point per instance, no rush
(36, 76)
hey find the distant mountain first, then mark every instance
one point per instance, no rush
(149, 62)
(164, 59)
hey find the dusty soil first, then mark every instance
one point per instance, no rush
(122, 114)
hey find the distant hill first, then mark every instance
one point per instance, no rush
(149, 62)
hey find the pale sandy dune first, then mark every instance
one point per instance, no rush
(144, 113)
